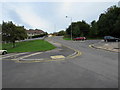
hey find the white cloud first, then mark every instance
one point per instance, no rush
(1, 12)
(46, 15)
(59, 0)
(84, 10)
(28, 16)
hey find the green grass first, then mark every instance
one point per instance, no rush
(0, 46)
(29, 46)
(88, 38)
(66, 38)
(97, 38)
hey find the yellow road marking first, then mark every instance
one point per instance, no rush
(107, 49)
(58, 57)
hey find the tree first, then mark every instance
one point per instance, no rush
(93, 29)
(20, 32)
(107, 24)
(116, 30)
(7, 31)
(109, 21)
(11, 32)
(84, 27)
(76, 31)
(80, 28)
(61, 33)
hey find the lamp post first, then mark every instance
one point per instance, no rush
(71, 25)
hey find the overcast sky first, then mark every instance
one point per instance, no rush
(51, 16)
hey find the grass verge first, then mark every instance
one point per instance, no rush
(97, 38)
(65, 38)
(29, 46)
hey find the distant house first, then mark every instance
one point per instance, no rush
(32, 32)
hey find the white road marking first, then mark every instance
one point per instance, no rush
(31, 59)
(12, 55)
(27, 56)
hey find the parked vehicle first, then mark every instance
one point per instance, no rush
(80, 38)
(110, 38)
(3, 52)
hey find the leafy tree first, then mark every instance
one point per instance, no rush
(20, 32)
(11, 32)
(61, 33)
(108, 23)
(93, 29)
(80, 28)
(68, 30)
(116, 31)
(84, 28)
(76, 31)
(7, 31)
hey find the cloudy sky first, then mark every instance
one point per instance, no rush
(51, 16)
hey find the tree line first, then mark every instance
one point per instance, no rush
(107, 24)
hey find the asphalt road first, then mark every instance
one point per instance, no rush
(95, 68)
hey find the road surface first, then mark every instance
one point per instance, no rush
(94, 68)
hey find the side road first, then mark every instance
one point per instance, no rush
(109, 46)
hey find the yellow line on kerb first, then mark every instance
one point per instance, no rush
(109, 50)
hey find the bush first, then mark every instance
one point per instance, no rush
(37, 36)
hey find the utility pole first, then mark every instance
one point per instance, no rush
(71, 25)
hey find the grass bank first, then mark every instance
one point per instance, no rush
(29, 46)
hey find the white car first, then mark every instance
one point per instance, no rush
(3, 52)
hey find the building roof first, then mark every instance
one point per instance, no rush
(36, 31)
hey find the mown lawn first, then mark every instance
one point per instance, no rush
(29, 46)
(66, 38)
(88, 38)
(97, 38)
(0, 46)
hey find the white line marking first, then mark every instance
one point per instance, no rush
(28, 55)
(12, 55)
(31, 59)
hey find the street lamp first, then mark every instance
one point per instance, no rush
(71, 25)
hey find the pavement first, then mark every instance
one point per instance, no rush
(109, 46)
(94, 68)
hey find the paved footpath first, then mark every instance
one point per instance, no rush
(109, 46)
(94, 68)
